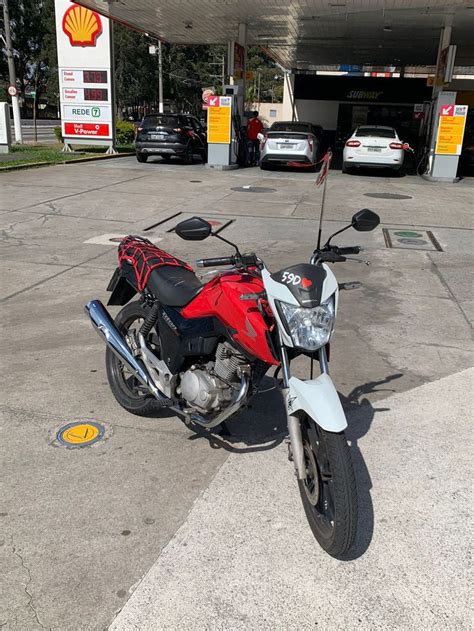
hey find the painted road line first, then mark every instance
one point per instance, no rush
(114, 238)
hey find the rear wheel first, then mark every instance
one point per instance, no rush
(188, 155)
(142, 157)
(126, 388)
(329, 492)
(345, 168)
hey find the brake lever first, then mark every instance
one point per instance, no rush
(349, 258)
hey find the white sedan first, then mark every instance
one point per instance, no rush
(373, 146)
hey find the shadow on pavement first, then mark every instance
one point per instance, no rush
(260, 427)
(360, 414)
(263, 427)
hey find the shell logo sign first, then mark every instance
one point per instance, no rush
(82, 26)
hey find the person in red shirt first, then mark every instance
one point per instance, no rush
(254, 127)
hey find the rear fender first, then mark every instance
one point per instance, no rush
(319, 399)
(122, 290)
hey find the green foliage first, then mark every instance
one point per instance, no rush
(267, 83)
(125, 132)
(34, 43)
(136, 71)
(58, 133)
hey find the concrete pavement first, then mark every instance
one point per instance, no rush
(81, 527)
(245, 558)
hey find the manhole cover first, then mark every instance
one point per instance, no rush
(411, 239)
(253, 189)
(80, 434)
(388, 196)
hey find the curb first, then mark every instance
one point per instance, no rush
(33, 165)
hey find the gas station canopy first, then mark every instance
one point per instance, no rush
(310, 34)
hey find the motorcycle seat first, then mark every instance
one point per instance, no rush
(173, 286)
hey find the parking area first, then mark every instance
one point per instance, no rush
(81, 527)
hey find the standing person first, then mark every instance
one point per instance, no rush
(254, 127)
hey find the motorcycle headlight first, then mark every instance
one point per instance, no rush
(310, 328)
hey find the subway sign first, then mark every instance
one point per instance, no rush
(361, 89)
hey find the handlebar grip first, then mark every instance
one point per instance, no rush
(218, 260)
(349, 250)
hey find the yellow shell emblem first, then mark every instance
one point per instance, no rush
(82, 25)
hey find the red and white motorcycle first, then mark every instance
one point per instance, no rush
(201, 350)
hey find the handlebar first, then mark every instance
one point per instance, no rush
(344, 251)
(238, 260)
(335, 254)
(218, 260)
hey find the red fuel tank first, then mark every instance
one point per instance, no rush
(221, 298)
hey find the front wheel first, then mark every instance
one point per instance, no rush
(329, 492)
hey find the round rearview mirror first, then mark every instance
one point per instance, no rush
(365, 220)
(194, 229)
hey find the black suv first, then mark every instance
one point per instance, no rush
(169, 135)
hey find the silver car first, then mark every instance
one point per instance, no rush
(288, 142)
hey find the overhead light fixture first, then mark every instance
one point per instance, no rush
(188, 25)
(387, 29)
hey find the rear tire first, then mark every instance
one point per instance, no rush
(142, 157)
(346, 169)
(329, 492)
(188, 156)
(127, 390)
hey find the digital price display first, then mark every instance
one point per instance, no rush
(95, 76)
(96, 94)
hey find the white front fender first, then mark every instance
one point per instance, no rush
(319, 399)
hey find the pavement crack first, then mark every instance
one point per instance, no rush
(28, 583)
(45, 280)
(435, 269)
(90, 190)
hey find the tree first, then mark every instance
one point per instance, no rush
(34, 44)
(135, 70)
(267, 83)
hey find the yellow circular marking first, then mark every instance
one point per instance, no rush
(80, 434)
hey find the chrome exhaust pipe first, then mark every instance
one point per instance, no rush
(105, 327)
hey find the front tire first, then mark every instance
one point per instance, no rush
(127, 390)
(329, 493)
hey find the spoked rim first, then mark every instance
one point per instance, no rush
(318, 484)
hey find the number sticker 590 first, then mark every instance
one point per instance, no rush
(290, 278)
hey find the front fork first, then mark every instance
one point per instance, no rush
(294, 424)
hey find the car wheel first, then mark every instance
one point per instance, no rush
(188, 155)
(166, 158)
(142, 157)
(345, 168)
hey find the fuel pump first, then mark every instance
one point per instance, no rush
(224, 128)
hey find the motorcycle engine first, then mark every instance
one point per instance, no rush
(209, 387)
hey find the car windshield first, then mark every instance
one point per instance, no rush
(380, 132)
(160, 121)
(298, 127)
